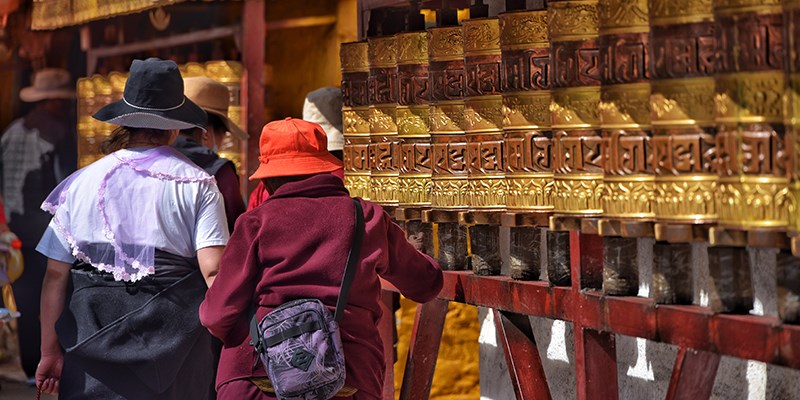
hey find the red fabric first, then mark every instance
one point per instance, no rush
(2, 213)
(260, 194)
(228, 184)
(295, 246)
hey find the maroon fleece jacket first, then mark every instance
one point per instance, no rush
(295, 246)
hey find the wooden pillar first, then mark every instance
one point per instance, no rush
(253, 43)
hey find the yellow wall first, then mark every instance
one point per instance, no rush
(457, 370)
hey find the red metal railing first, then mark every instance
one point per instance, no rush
(701, 336)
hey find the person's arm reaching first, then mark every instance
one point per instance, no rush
(415, 274)
(228, 183)
(208, 258)
(54, 294)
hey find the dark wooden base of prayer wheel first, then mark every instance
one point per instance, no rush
(558, 267)
(485, 245)
(452, 246)
(730, 289)
(421, 234)
(526, 253)
(672, 273)
(620, 267)
(788, 278)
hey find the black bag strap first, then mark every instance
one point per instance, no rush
(352, 260)
(347, 280)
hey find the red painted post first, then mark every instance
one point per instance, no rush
(522, 356)
(253, 36)
(424, 350)
(595, 351)
(693, 375)
(387, 329)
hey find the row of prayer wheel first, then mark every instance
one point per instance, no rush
(668, 111)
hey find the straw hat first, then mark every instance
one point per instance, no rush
(214, 98)
(324, 107)
(48, 83)
(153, 98)
(292, 147)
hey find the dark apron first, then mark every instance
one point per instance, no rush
(138, 340)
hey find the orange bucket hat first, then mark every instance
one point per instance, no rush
(293, 147)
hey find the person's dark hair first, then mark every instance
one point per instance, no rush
(122, 135)
(214, 121)
(272, 184)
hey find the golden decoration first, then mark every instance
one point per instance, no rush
(412, 121)
(794, 206)
(753, 202)
(663, 12)
(414, 190)
(383, 189)
(578, 194)
(483, 114)
(382, 119)
(530, 192)
(686, 198)
(724, 7)
(412, 48)
(450, 193)
(625, 106)
(355, 121)
(446, 117)
(628, 196)
(159, 18)
(616, 16)
(573, 20)
(354, 57)
(576, 108)
(523, 30)
(679, 102)
(527, 110)
(487, 192)
(481, 36)
(54, 14)
(445, 43)
(382, 52)
(749, 97)
(358, 185)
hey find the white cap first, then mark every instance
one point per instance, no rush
(324, 107)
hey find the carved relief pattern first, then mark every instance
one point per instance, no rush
(483, 75)
(673, 10)
(382, 85)
(628, 197)
(523, 28)
(578, 194)
(528, 152)
(622, 14)
(678, 154)
(688, 198)
(750, 42)
(530, 192)
(625, 105)
(483, 114)
(449, 158)
(682, 102)
(753, 202)
(356, 156)
(446, 118)
(528, 110)
(354, 57)
(481, 35)
(627, 153)
(755, 150)
(525, 70)
(576, 63)
(382, 119)
(412, 48)
(383, 189)
(450, 193)
(384, 155)
(355, 90)
(572, 108)
(576, 154)
(572, 18)
(412, 120)
(414, 191)
(624, 58)
(358, 185)
(445, 43)
(448, 80)
(412, 80)
(487, 192)
(382, 52)
(747, 97)
(683, 51)
(356, 121)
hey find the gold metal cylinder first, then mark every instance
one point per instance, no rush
(384, 147)
(791, 19)
(414, 183)
(629, 182)
(355, 118)
(448, 82)
(525, 78)
(483, 115)
(752, 152)
(577, 146)
(682, 110)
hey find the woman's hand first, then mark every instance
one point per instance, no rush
(48, 373)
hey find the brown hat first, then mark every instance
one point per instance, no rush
(214, 98)
(48, 83)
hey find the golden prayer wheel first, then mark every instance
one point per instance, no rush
(525, 78)
(629, 182)
(483, 115)
(384, 147)
(355, 118)
(792, 118)
(682, 110)
(575, 120)
(414, 183)
(752, 151)
(447, 80)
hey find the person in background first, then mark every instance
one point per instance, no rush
(294, 246)
(324, 107)
(38, 151)
(134, 242)
(201, 146)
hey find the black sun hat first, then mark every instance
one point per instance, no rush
(153, 98)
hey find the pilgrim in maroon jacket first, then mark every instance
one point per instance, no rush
(295, 245)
